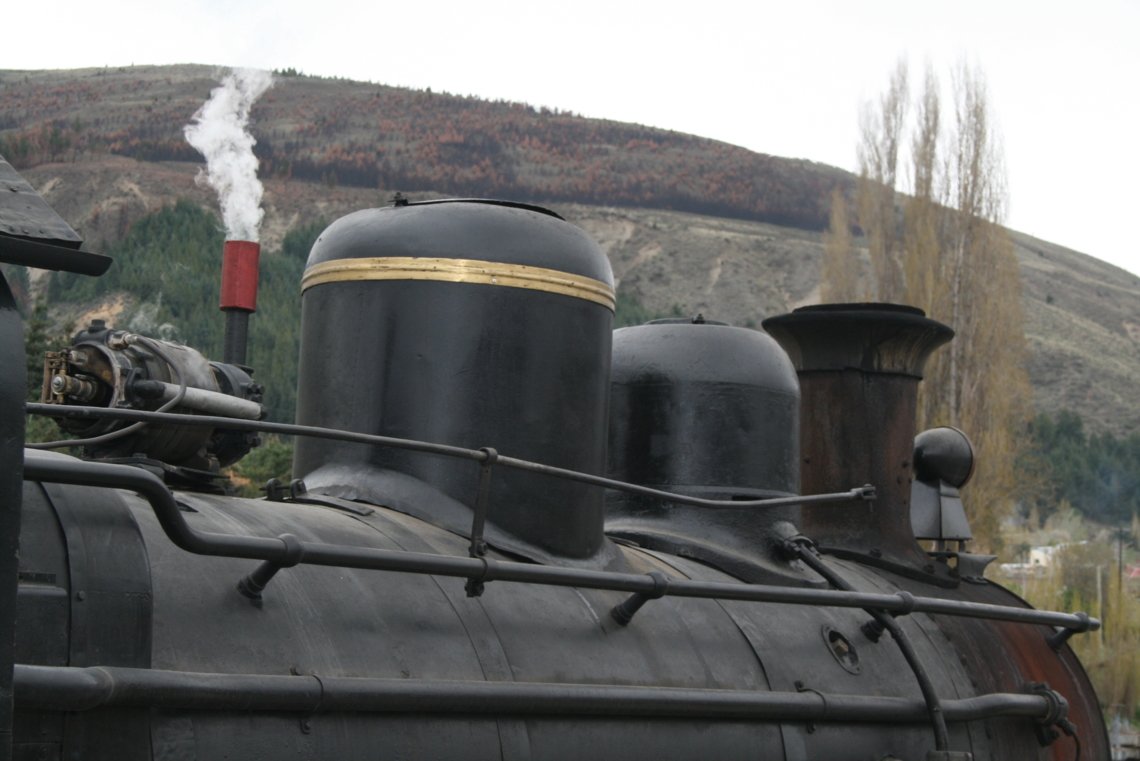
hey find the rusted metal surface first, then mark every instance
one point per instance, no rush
(859, 367)
(1004, 656)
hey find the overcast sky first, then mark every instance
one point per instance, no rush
(783, 78)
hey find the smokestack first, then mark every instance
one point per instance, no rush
(239, 295)
(220, 133)
(859, 366)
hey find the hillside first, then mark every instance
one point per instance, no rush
(363, 135)
(103, 146)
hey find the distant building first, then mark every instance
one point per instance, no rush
(1125, 740)
(1044, 556)
(1041, 559)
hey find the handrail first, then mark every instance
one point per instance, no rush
(478, 455)
(286, 550)
(68, 688)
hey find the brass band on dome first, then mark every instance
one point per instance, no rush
(460, 271)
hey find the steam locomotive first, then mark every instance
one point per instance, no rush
(514, 532)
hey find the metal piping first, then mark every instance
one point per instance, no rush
(235, 337)
(934, 706)
(214, 402)
(64, 688)
(866, 492)
(287, 550)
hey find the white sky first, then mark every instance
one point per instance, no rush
(784, 78)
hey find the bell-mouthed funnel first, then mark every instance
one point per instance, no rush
(859, 366)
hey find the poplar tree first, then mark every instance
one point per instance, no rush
(924, 218)
(839, 260)
(881, 134)
(942, 248)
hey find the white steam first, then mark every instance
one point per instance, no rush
(219, 133)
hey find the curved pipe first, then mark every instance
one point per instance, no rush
(934, 705)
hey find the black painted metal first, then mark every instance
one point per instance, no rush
(336, 662)
(75, 689)
(33, 235)
(43, 602)
(709, 410)
(945, 454)
(111, 592)
(478, 548)
(286, 550)
(768, 631)
(805, 552)
(463, 364)
(252, 585)
(25, 214)
(338, 623)
(12, 381)
(235, 338)
(625, 612)
(483, 495)
(33, 253)
(110, 620)
(704, 408)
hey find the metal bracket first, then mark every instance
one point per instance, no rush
(296, 492)
(624, 612)
(874, 628)
(251, 585)
(1057, 715)
(809, 727)
(1061, 636)
(478, 546)
(275, 491)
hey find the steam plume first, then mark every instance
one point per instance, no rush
(219, 133)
